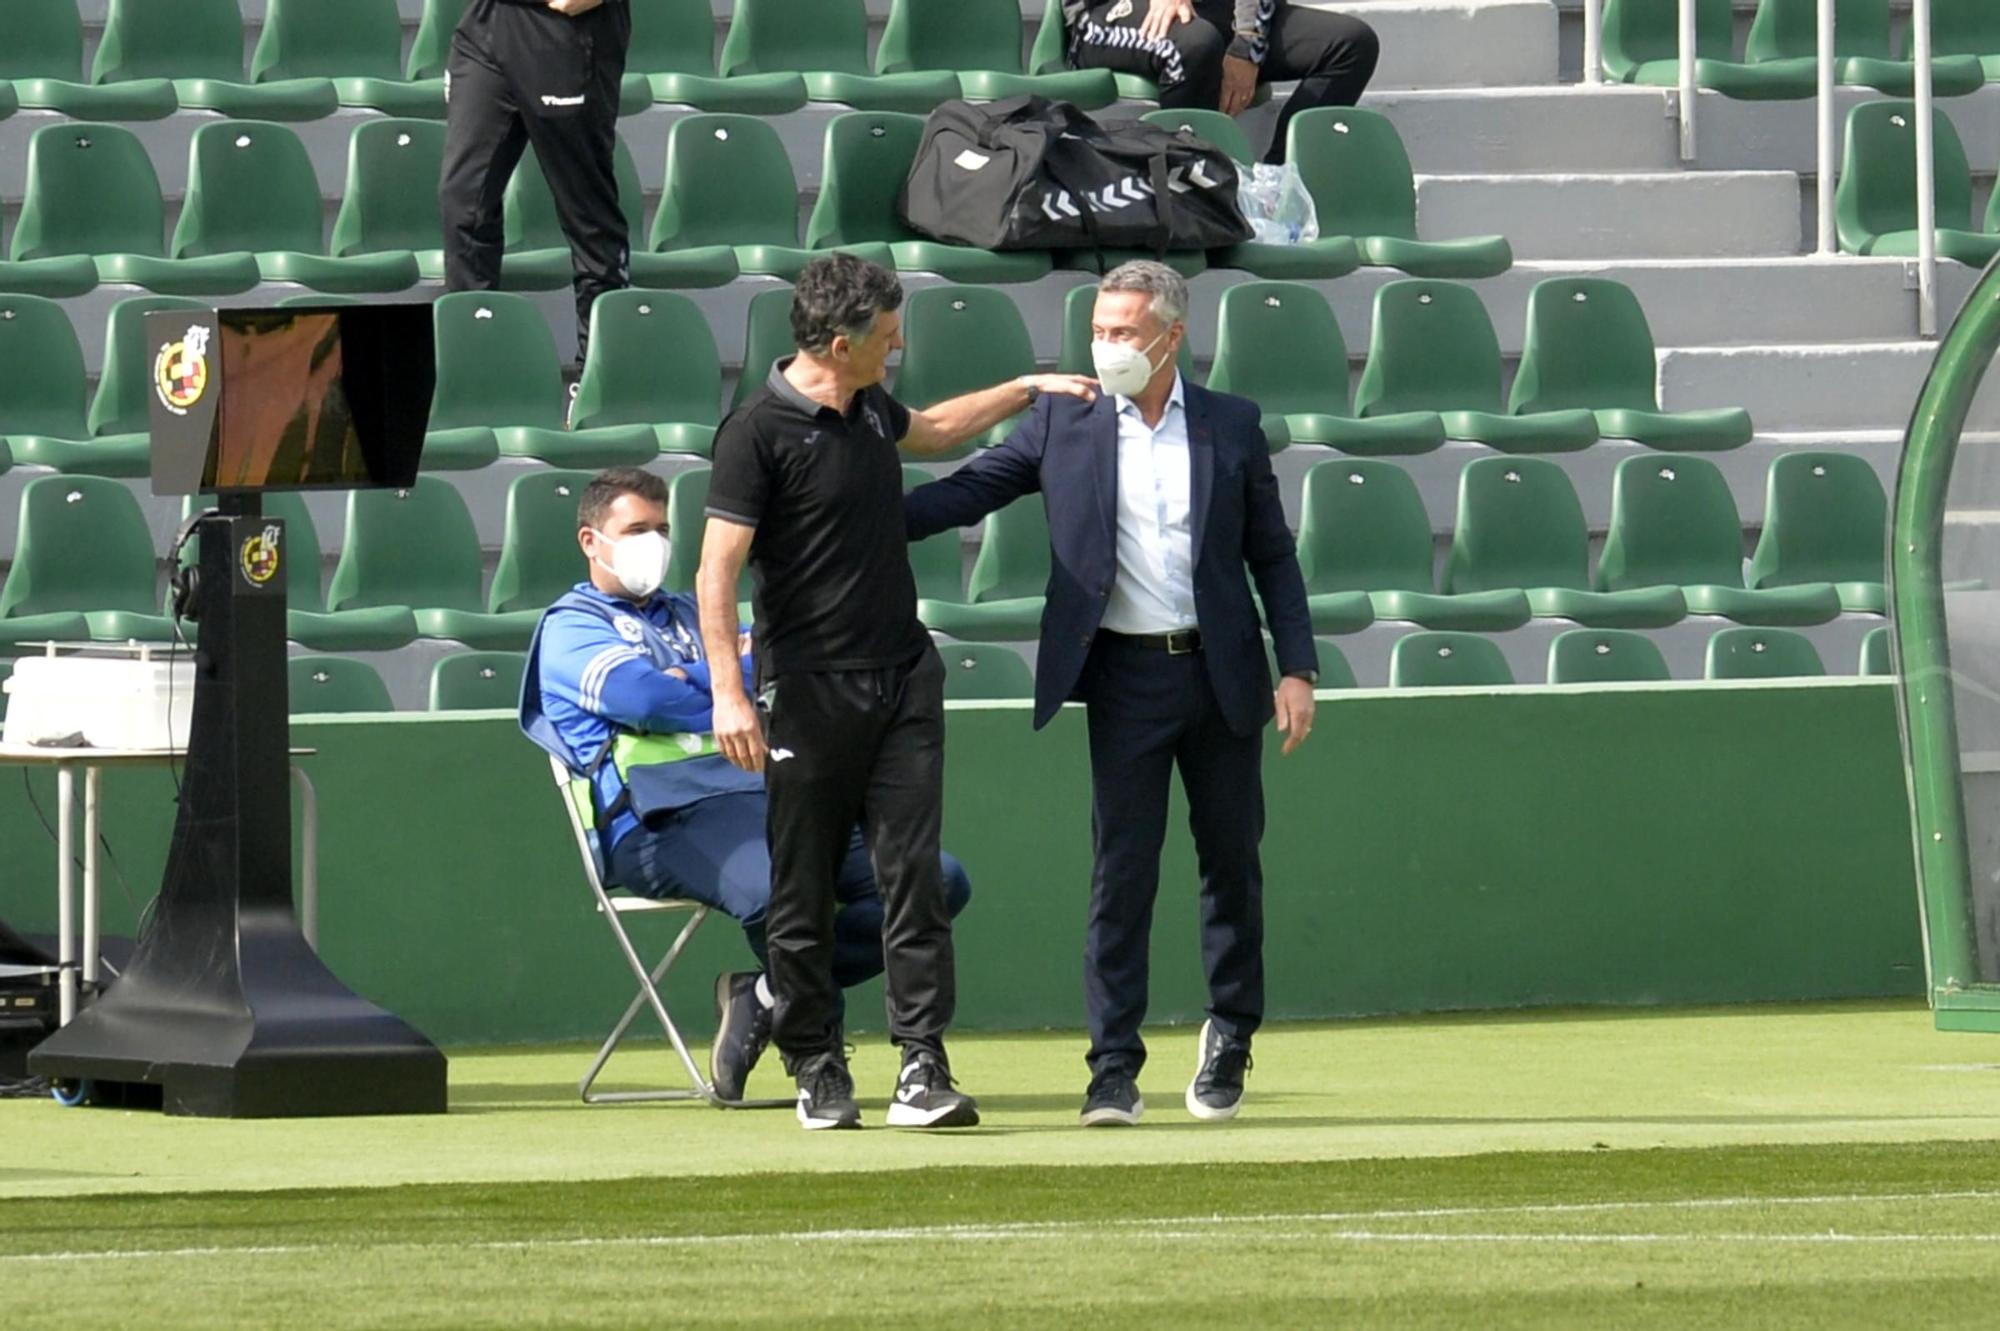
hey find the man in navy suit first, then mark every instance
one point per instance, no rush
(1160, 495)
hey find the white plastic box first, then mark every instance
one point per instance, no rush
(136, 697)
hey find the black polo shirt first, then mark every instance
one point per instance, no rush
(824, 491)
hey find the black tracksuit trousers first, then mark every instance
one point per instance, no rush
(521, 75)
(1331, 55)
(866, 747)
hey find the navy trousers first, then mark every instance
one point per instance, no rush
(1149, 714)
(716, 852)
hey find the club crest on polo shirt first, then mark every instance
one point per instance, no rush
(874, 419)
(629, 629)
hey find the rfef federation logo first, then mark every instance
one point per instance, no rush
(180, 371)
(260, 557)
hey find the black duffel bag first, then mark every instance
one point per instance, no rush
(1027, 173)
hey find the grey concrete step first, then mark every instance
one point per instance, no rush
(1656, 215)
(1838, 386)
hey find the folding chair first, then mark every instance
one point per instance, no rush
(614, 904)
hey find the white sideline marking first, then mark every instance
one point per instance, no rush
(1204, 1227)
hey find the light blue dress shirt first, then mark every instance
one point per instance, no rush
(1154, 592)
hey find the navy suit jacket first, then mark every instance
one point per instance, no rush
(1068, 450)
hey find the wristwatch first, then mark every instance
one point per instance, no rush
(1034, 393)
(1309, 676)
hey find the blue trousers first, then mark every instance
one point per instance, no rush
(716, 852)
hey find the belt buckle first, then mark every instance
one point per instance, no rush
(1182, 642)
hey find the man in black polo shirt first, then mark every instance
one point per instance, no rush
(808, 489)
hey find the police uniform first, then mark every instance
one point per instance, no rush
(521, 74)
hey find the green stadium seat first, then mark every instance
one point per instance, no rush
(1363, 531)
(1279, 344)
(199, 45)
(92, 192)
(1313, 261)
(476, 681)
(44, 397)
(1966, 27)
(43, 57)
(1074, 356)
(251, 187)
(757, 216)
(1335, 672)
(1788, 30)
(1605, 656)
(539, 556)
(497, 370)
(1447, 660)
(1674, 524)
(1188, 263)
(1825, 520)
(1433, 348)
(687, 524)
(56, 277)
(1520, 525)
(121, 404)
(538, 253)
(1876, 653)
(391, 202)
(83, 548)
(673, 50)
(1642, 45)
(960, 340)
(9, 103)
(767, 339)
(1354, 163)
(431, 48)
(1875, 203)
(980, 40)
(325, 685)
(307, 620)
(357, 44)
(827, 42)
(652, 364)
(377, 568)
(866, 160)
(1006, 590)
(983, 672)
(1588, 345)
(1745, 653)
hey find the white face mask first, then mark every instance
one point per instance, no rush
(638, 561)
(1122, 368)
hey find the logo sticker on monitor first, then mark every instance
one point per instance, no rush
(260, 557)
(180, 371)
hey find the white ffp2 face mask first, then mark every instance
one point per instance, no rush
(638, 561)
(1123, 369)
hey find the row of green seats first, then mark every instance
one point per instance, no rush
(1876, 200)
(93, 210)
(989, 672)
(1520, 549)
(1450, 659)
(313, 56)
(1780, 59)
(461, 682)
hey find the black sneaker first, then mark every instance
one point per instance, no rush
(742, 1033)
(1216, 1092)
(1112, 1100)
(826, 1093)
(925, 1098)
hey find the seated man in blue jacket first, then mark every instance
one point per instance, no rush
(617, 660)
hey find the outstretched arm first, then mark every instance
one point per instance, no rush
(943, 427)
(991, 481)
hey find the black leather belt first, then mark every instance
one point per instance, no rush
(1180, 642)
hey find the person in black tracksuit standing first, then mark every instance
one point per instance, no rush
(849, 723)
(1212, 54)
(540, 73)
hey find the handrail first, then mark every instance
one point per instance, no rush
(1927, 300)
(1829, 132)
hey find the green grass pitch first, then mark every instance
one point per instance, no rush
(1824, 1167)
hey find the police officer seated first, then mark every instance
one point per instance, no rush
(616, 661)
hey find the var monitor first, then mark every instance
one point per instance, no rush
(299, 397)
